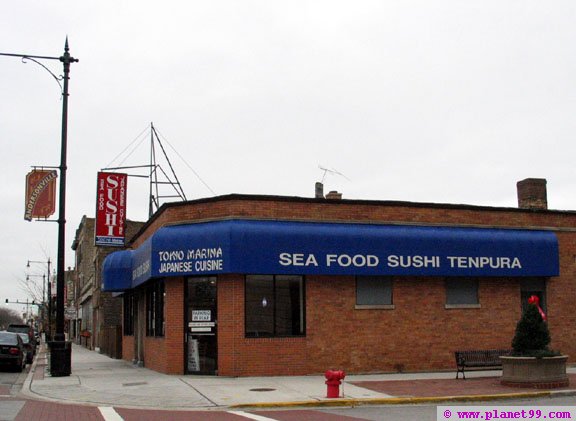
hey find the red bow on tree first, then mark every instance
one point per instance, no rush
(536, 301)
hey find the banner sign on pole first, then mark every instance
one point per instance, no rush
(40, 194)
(110, 229)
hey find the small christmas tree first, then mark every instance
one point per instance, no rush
(532, 335)
(532, 363)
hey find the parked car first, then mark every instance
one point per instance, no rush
(23, 328)
(12, 352)
(28, 347)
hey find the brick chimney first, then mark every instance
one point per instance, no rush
(334, 195)
(319, 193)
(532, 193)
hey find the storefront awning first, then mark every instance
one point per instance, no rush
(117, 270)
(305, 248)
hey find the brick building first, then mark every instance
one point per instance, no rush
(243, 285)
(94, 316)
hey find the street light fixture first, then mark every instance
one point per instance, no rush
(48, 332)
(42, 303)
(47, 263)
(60, 362)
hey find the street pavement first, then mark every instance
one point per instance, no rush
(97, 380)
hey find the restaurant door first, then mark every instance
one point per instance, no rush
(201, 326)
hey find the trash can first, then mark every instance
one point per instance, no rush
(60, 358)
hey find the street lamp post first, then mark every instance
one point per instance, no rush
(43, 311)
(47, 308)
(60, 362)
(66, 59)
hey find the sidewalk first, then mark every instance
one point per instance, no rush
(99, 380)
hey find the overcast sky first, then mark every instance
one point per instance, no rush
(445, 101)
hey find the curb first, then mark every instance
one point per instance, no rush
(28, 392)
(403, 401)
(27, 386)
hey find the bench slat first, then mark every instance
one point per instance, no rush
(481, 359)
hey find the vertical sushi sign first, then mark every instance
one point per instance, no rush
(111, 209)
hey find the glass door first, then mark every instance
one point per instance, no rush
(201, 326)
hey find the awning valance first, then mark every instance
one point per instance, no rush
(304, 248)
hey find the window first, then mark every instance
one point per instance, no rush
(461, 292)
(373, 292)
(530, 287)
(155, 309)
(128, 314)
(87, 310)
(274, 306)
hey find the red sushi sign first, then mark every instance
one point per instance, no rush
(40, 194)
(111, 209)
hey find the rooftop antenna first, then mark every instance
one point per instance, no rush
(157, 175)
(319, 187)
(154, 202)
(331, 171)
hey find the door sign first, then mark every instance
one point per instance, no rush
(201, 315)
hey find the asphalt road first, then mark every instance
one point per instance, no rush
(10, 385)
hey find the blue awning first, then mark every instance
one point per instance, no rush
(117, 271)
(304, 248)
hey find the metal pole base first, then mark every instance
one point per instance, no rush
(60, 358)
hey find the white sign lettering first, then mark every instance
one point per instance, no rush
(201, 315)
(358, 260)
(398, 261)
(413, 261)
(297, 259)
(191, 261)
(482, 262)
(141, 269)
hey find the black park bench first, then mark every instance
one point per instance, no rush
(479, 360)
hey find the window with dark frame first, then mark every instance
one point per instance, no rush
(373, 291)
(530, 287)
(155, 309)
(128, 314)
(274, 306)
(461, 291)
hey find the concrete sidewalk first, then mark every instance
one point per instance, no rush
(99, 380)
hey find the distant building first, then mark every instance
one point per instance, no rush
(247, 285)
(93, 317)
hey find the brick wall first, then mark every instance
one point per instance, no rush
(561, 296)
(89, 260)
(166, 353)
(174, 317)
(418, 334)
(240, 356)
(85, 254)
(128, 348)
(155, 357)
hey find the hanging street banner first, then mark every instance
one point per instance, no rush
(110, 229)
(40, 194)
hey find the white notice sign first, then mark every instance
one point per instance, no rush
(201, 315)
(193, 355)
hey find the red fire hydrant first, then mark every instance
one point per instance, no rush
(333, 380)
